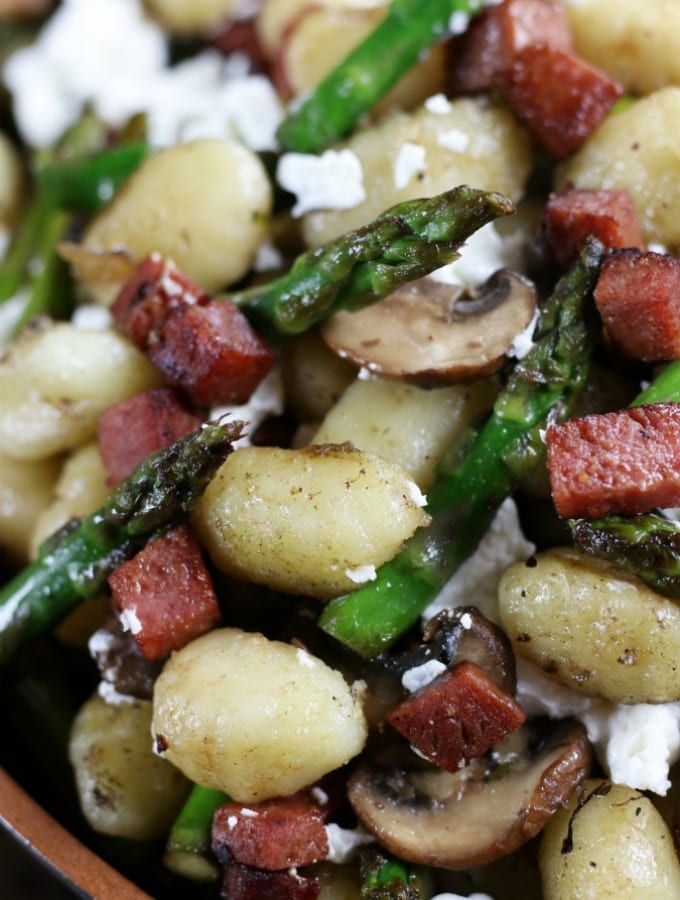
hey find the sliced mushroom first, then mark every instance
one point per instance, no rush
(432, 332)
(428, 816)
(460, 635)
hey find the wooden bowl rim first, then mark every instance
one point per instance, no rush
(58, 849)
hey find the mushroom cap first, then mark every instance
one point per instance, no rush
(428, 816)
(431, 332)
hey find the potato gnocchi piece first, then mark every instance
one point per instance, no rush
(204, 204)
(55, 383)
(125, 789)
(314, 377)
(592, 627)
(636, 150)
(609, 842)
(406, 424)
(314, 521)
(471, 142)
(253, 717)
(634, 43)
(25, 490)
(79, 490)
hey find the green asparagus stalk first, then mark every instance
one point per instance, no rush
(648, 545)
(74, 563)
(463, 502)
(406, 242)
(383, 877)
(363, 77)
(188, 846)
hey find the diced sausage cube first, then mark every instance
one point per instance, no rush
(572, 217)
(246, 883)
(275, 834)
(205, 347)
(638, 297)
(457, 717)
(164, 594)
(496, 35)
(211, 351)
(623, 462)
(560, 98)
(130, 430)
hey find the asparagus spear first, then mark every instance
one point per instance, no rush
(74, 563)
(463, 502)
(647, 545)
(363, 77)
(406, 242)
(385, 878)
(186, 851)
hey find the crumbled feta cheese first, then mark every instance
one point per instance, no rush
(466, 621)
(268, 258)
(541, 696)
(108, 693)
(449, 896)
(10, 313)
(484, 253)
(129, 621)
(92, 317)
(636, 744)
(343, 842)
(439, 104)
(248, 813)
(106, 53)
(524, 341)
(333, 180)
(305, 658)
(454, 139)
(419, 676)
(416, 495)
(102, 52)
(411, 160)
(361, 574)
(232, 822)
(319, 795)
(266, 400)
(476, 582)
(459, 22)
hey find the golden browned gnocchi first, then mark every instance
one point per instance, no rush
(125, 789)
(609, 842)
(590, 626)
(205, 204)
(253, 717)
(315, 521)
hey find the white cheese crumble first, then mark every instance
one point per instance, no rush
(333, 180)
(449, 896)
(109, 694)
(102, 52)
(107, 54)
(636, 744)
(524, 341)
(343, 842)
(248, 813)
(10, 313)
(411, 160)
(268, 258)
(129, 620)
(484, 253)
(416, 495)
(361, 574)
(232, 822)
(92, 317)
(420, 676)
(439, 104)
(266, 400)
(476, 582)
(459, 22)
(454, 139)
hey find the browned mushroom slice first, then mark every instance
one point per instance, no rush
(433, 332)
(461, 634)
(428, 816)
